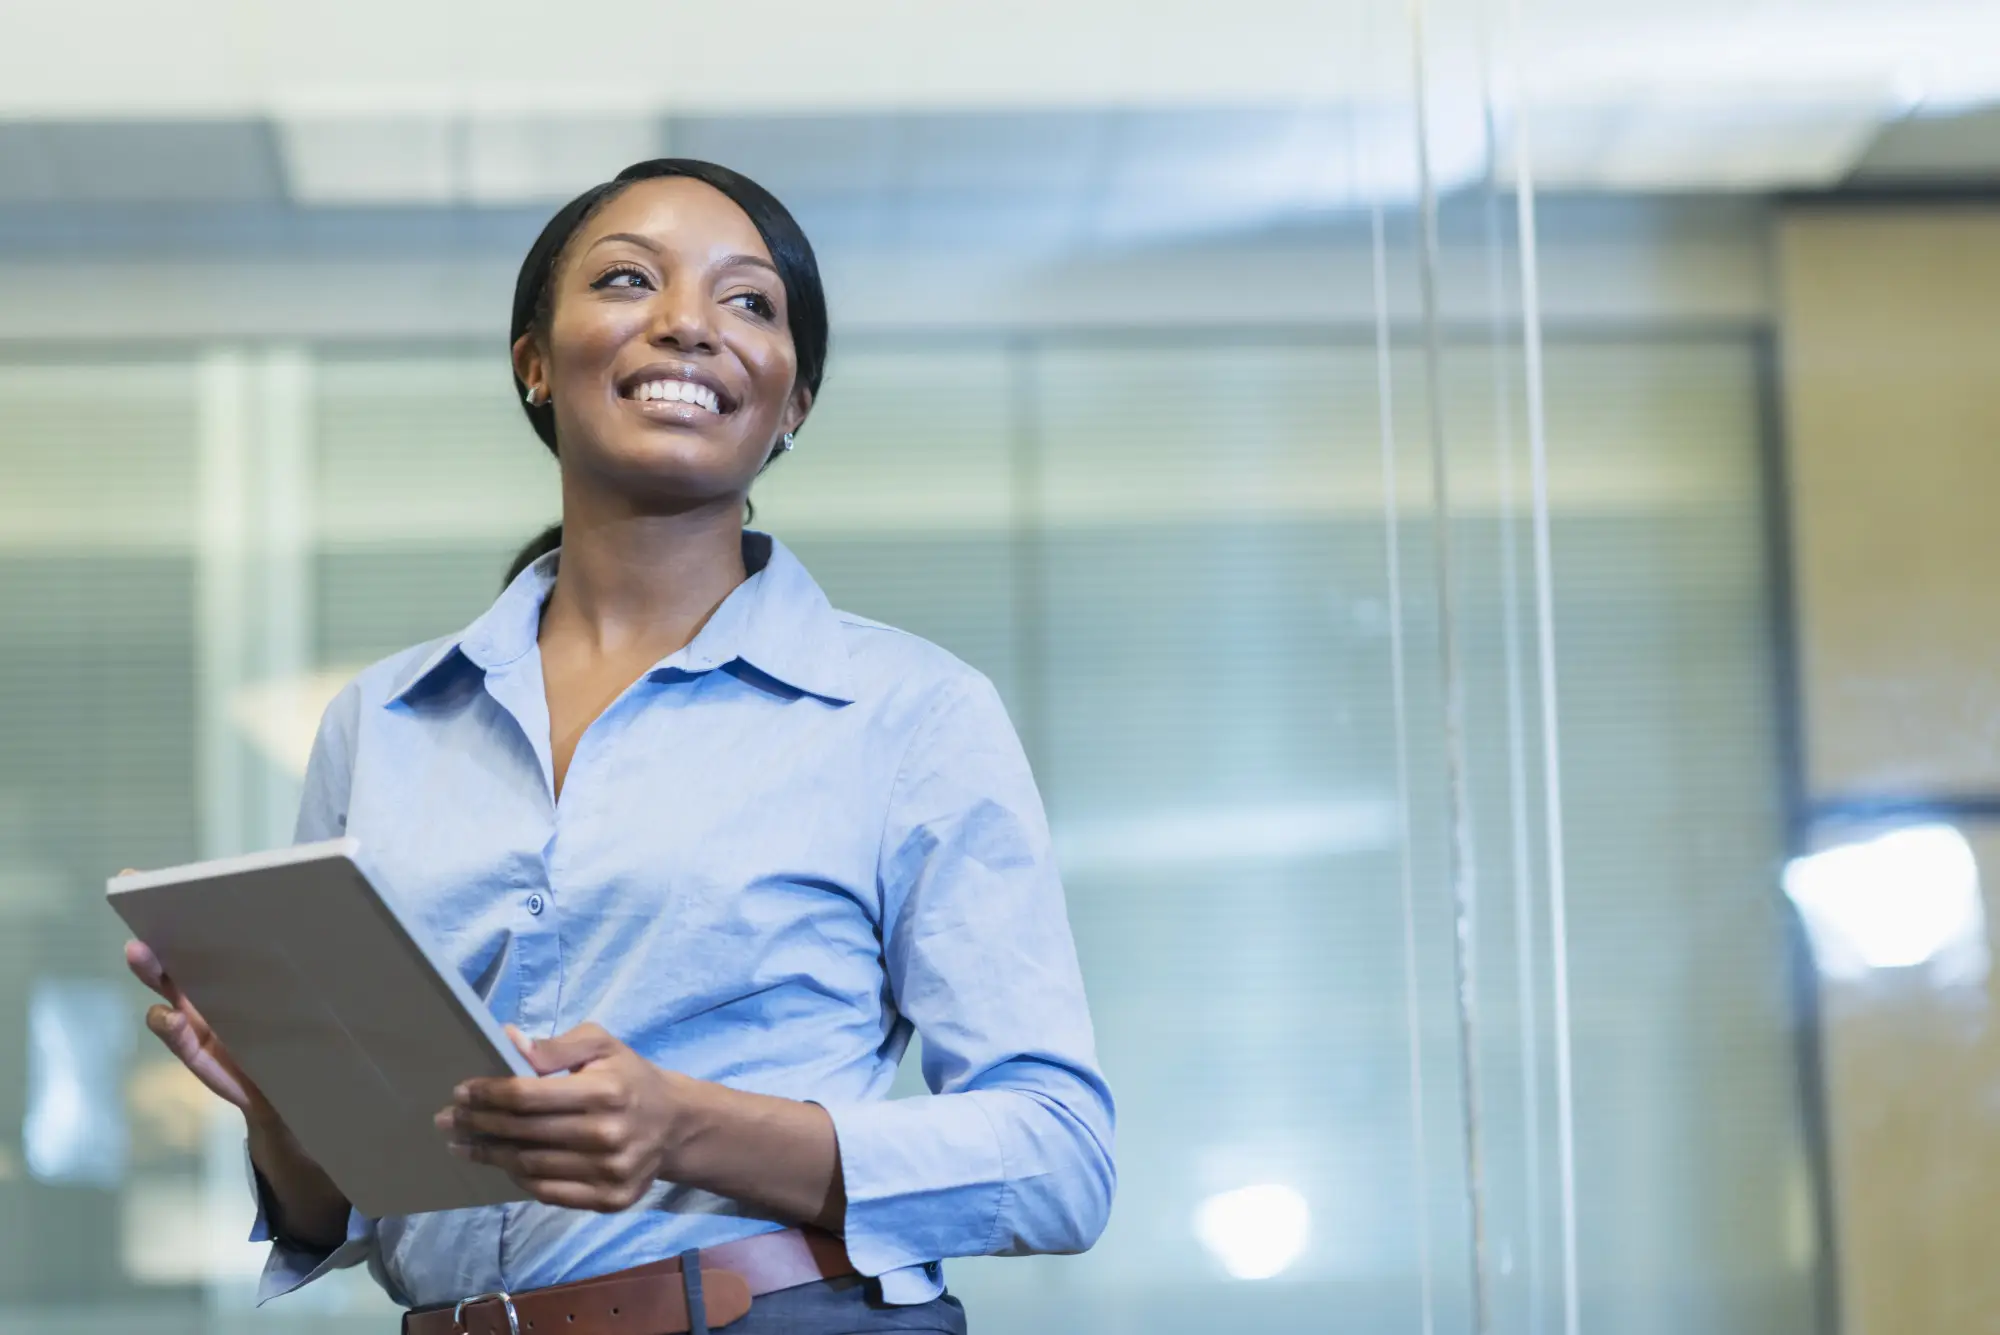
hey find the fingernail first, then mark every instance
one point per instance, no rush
(443, 1120)
(459, 1148)
(462, 1093)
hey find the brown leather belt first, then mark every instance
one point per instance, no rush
(647, 1299)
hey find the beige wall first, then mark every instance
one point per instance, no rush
(1891, 330)
(1891, 325)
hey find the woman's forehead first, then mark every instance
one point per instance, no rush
(678, 214)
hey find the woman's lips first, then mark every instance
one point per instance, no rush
(674, 390)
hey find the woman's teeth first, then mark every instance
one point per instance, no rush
(677, 391)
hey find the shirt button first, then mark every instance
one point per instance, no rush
(536, 904)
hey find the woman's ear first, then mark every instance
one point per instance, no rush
(530, 364)
(796, 410)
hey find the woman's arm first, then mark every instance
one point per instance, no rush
(598, 1138)
(300, 1209)
(308, 1208)
(304, 1205)
(777, 1155)
(1014, 1155)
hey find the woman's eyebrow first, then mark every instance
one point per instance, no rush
(748, 261)
(647, 243)
(643, 242)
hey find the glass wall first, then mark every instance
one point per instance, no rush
(1489, 572)
(1181, 583)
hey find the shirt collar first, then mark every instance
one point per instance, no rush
(778, 622)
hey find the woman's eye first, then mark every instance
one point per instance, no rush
(621, 278)
(757, 302)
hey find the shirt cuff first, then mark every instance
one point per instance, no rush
(925, 1179)
(292, 1264)
(913, 1286)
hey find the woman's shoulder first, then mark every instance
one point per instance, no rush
(895, 666)
(342, 697)
(386, 678)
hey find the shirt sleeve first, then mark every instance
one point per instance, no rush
(330, 771)
(292, 1264)
(1013, 1154)
(322, 815)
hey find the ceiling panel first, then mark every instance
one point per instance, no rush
(138, 162)
(1038, 152)
(1030, 179)
(352, 160)
(834, 155)
(1933, 149)
(1695, 145)
(491, 159)
(517, 159)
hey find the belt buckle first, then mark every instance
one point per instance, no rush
(506, 1304)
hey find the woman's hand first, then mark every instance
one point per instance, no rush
(592, 1139)
(306, 1206)
(176, 1023)
(598, 1137)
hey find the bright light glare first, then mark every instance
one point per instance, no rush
(1255, 1232)
(73, 1127)
(1892, 902)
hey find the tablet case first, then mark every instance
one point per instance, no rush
(330, 1000)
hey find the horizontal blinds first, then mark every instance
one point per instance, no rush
(1170, 556)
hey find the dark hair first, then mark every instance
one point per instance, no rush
(805, 298)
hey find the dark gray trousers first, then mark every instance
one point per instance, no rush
(847, 1306)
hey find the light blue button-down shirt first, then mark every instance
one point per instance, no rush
(777, 854)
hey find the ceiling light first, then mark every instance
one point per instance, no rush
(1255, 1232)
(1899, 900)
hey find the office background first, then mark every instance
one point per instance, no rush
(1496, 600)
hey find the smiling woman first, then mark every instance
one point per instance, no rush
(782, 253)
(713, 850)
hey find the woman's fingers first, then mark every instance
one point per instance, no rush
(193, 1045)
(539, 1097)
(145, 966)
(561, 1177)
(593, 1133)
(172, 1029)
(567, 1195)
(583, 1195)
(534, 1163)
(586, 1043)
(181, 1028)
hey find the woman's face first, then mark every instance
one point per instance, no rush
(668, 355)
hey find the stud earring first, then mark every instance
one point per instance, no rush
(533, 398)
(786, 444)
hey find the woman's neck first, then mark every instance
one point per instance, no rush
(642, 583)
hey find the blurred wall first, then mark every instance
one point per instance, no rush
(1140, 484)
(190, 275)
(1892, 391)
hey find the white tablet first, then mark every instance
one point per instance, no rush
(330, 1000)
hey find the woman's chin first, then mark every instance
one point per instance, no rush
(676, 467)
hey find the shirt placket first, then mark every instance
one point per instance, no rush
(536, 953)
(536, 912)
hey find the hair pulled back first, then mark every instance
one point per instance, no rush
(791, 252)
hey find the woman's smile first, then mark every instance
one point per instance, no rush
(676, 394)
(666, 352)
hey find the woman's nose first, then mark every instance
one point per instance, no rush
(682, 321)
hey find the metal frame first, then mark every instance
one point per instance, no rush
(1789, 700)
